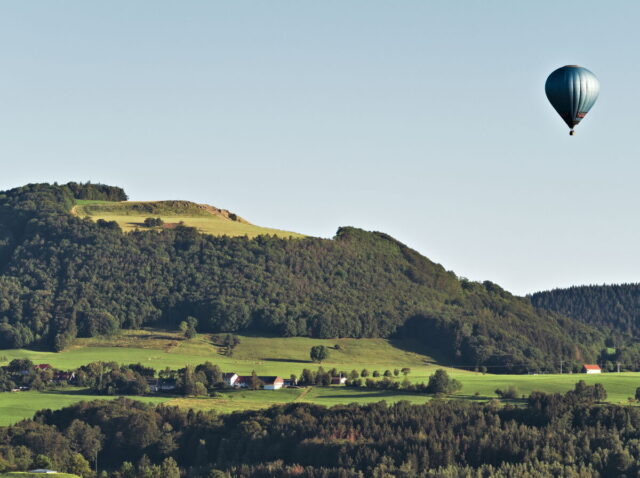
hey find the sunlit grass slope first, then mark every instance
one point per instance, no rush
(266, 355)
(16, 406)
(283, 357)
(130, 215)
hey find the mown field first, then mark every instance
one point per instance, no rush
(283, 357)
(129, 217)
(15, 406)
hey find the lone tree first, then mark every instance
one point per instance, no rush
(188, 327)
(153, 222)
(255, 383)
(440, 382)
(318, 353)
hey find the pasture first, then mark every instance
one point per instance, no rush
(280, 356)
(129, 217)
(16, 406)
(266, 355)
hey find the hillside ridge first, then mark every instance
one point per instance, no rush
(62, 277)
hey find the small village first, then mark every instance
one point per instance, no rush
(21, 375)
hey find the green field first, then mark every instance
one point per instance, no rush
(15, 406)
(283, 357)
(130, 215)
(266, 355)
(250, 400)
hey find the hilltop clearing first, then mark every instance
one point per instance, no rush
(130, 215)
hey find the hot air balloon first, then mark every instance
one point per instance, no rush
(572, 91)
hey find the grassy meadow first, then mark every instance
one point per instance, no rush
(283, 357)
(16, 406)
(130, 217)
(266, 355)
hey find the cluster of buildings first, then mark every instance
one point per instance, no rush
(231, 379)
(59, 376)
(168, 385)
(268, 382)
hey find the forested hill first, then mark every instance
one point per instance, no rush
(615, 307)
(555, 435)
(63, 276)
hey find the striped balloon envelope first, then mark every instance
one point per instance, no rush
(572, 91)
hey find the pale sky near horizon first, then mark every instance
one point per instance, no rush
(423, 119)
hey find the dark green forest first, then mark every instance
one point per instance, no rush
(614, 309)
(569, 435)
(62, 277)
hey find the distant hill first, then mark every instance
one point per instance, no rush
(63, 276)
(614, 307)
(130, 215)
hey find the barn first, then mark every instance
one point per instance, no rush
(591, 368)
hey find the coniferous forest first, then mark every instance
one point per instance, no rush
(613, 307)
(569, 435)
(64, 276)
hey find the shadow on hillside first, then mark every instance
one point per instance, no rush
(418, 347)
(146, 335)
(475, 398)
(84, 391)
(162, 337)
(286, 360)
(382, 394)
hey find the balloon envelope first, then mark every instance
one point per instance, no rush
(572, 91)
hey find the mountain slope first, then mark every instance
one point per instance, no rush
(63, 276)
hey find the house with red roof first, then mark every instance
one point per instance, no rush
(591, 368)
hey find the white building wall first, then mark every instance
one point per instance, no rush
(275, 386)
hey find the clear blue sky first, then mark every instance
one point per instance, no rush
(423, 119)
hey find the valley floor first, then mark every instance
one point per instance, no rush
(283, 357)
